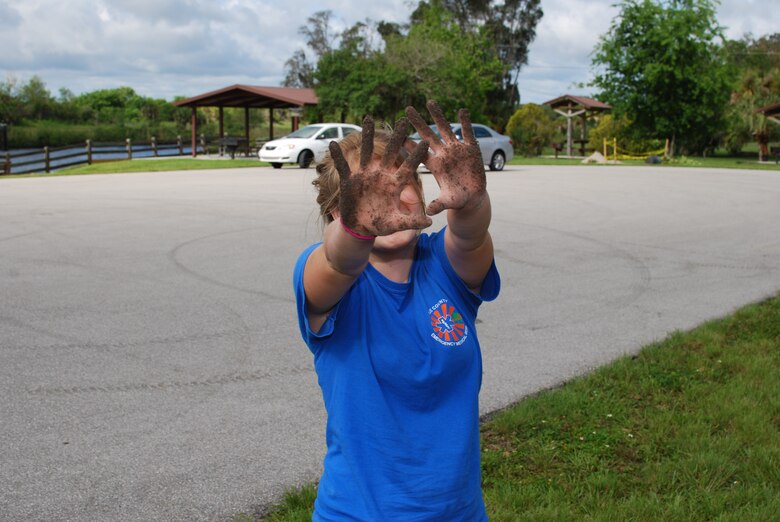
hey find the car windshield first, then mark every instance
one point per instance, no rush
(416, 135)
(306, 132)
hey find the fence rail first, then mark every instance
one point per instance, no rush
(49, 159)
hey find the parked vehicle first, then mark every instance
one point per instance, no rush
(496, 148)
(305, 146)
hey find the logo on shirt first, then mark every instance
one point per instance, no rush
(448, 326)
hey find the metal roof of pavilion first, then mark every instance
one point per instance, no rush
(253, 96)
(569, 101)
(770, 110)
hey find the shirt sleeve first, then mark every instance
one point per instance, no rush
(309, 336)
(491, 285)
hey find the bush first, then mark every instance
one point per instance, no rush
(532, 129)
(621, 128)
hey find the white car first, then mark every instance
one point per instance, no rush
(496, 148)
(305, 146)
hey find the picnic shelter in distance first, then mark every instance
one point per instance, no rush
(772, 112)
(570, 107)
(250, 97)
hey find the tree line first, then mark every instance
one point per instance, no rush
(36, 117)
(664, 65)
(463, 53)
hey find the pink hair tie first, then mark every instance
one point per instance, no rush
(355, 234)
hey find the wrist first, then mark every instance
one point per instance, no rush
(356, 235)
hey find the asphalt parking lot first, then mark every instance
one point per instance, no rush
(150, 363)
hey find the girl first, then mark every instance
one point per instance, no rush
(389, 314)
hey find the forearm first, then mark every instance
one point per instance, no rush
(468, 243)
(469, 225)
(334, 267)
(345, 253)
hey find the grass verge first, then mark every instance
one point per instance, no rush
(688, 429)
(147, 165)
(718, 162)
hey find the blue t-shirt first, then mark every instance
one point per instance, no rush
(400, 369)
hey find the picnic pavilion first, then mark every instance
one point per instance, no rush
(571, 107)
(772, 112)
(250, 97)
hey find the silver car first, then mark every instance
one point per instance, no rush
(496, 148)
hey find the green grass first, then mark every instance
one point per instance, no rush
(716, 162)
(688, 429)
(157, 165)
(148, 165)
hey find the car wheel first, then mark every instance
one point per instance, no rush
(498, 161)
(305, 158)
(276, 165)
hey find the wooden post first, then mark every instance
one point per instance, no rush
(221, 131)
(569, 129)
(154, 146)
(614, 148)
(129, 148)
(605, 149)
(89, 152)
(46, 161)
(246, 131)
(270, 124)
(194, 123)
(7, 163)
(179, 145)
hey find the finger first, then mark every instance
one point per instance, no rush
(465, 126)
(415, 222)
(414, 159)
(367, 143)
(435, 207)
(396, 140)
(425, 131)
(338, 160)
(442, 124)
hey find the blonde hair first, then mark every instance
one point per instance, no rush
(327, 180)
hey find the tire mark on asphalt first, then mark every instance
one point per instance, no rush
(216, 380)
(17, 236)
(173, 255)
(636, 289)
(128, 344)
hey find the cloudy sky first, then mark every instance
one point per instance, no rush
(164, 48)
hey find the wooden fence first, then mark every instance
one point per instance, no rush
(48, 159)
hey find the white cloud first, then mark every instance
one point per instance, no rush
(164, 48)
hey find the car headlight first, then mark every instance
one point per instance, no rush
(291, 146)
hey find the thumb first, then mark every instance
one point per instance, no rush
(411, 199)
(435, 207)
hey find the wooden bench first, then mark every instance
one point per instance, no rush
(775, 151)
(558, 147)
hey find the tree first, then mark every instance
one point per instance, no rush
(757, 65)
(755, 89)
(456, 69)
(36, 99)
(511, 27)
(664, 67)
(358, 79)
(11, 108)
(532, 128)
(299, 71)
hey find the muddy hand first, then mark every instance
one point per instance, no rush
(457, 166)
(379, 198)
